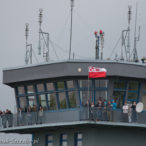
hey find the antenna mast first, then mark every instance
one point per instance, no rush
(28, 53)
(128, 43)
(136, 38)
(43, 36)
(72, 5)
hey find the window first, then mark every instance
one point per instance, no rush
(32, 101)
(70, 84)
(72, 99)
(23, 102)
(60, 85)
(132, 96)
(101, 83)
(40, 88)
(84, 83)
(21, 90)
(120, 84)
(50, 86)
(133, 86)
(144, 101)
(52, 101)
(63, 140)
(78, 139)
(42, 101)
(118, 97)
(50, 140)
(30, 89)
(62, 100)
(84, 96)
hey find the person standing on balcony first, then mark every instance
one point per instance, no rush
(99, 106)
(109, 111)
(134, 116)
(125, 112)
(40, 115)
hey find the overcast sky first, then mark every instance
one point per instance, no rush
(88, 16)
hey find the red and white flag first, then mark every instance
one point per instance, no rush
(95, 72)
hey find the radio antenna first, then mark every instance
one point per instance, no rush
(72, 5)
(43, 38)
(28, 53)
(136, 38)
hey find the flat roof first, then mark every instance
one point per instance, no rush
(70, 68)
(32, 128)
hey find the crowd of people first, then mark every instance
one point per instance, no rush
(103, 110)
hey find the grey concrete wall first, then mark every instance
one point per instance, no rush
(97, 136)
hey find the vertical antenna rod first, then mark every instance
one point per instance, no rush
(26, 36)
(40, 23)
(72, 5)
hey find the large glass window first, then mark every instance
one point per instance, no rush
(50, 140)
(84, 83)
(63, 140)
(40, 87)
(85, 95)
(101, 83)
(42, 101)
(32, 101)
(78, 139)
(23, 102)
(132, 96)
(52, 101)
(120, 84)
(72, 99)
(62, 100)
(144, 87)
(50, 86)
(30, 89)
(21, 90)
(133, 86)
(60, 85)
(118, 97)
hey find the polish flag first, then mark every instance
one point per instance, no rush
(97, 72)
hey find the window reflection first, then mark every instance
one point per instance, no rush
(32, 101)
(50, 86)
(84, 83)
(119, 84)
(70, 84)
(72, 99)
(42, 101)
(132, 96)
(30, 89)
(85, 95)
(133, 85)
(40, 87)
(101, 83)
(62, 100)
(60, 85)
(21, 90)
(23, 103)
(52, 101)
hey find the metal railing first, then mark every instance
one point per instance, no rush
(68, 115)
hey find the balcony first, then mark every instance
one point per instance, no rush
(95, 114)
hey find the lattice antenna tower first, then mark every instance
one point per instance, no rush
(43, 46)
(126, 36)
(136, 38)
(28, 52)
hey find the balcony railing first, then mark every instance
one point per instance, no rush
(68, 115)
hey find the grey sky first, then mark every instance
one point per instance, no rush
(89, 15)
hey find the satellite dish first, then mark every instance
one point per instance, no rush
(139, 107)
